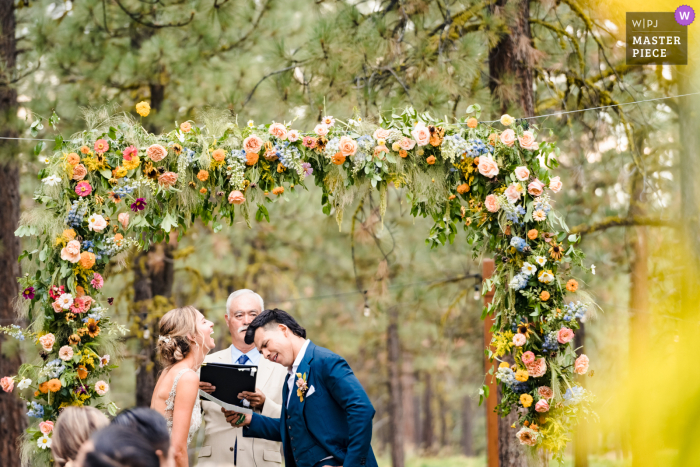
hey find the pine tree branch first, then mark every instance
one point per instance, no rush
(616, 221)
(137, 18)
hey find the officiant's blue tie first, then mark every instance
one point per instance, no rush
(242, 360)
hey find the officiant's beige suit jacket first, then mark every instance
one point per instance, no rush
(220, 437)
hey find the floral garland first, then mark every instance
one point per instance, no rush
(117, 186)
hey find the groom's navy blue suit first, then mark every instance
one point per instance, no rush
(335, 420)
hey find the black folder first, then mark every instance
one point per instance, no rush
(229, 380)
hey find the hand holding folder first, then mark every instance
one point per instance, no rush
(229, 380)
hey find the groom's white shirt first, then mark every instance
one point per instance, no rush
(220, 437)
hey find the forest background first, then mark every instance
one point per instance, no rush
(407, 318)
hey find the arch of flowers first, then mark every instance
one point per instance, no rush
(116, 186)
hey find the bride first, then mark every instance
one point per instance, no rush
(184, 341)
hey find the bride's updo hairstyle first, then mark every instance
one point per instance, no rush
(175, 327)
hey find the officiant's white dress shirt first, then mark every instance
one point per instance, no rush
(253, 356)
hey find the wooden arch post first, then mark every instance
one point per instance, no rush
(488, 267)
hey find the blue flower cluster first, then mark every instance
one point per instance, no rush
(518, 243)
(574, 395)
(188, 155)
(575, 311)
(551, 343)
(478, 148)
(506, 376)
(240, 155)
(36, 410)
(88, 245)
(76, 214)
(54, 368)
(515, 215)
(519, 281)
(288, 155)
(543, 206)
(124, 190)
(15, 331)
(457, 145)
(95, 316)
(521, 387)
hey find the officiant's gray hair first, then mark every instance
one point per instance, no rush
(240, 292)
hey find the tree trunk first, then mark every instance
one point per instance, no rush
(153, 284)
(409, 404)
(12, 418)
(417, 403)
(581, 435)
(511, 61)
(395, 400)
(428, 433)
(467, 427)
(444, 434)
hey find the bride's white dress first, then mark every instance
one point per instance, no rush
(196, 419)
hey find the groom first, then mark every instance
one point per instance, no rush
(326, 415)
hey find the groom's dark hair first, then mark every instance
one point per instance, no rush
(271, 317)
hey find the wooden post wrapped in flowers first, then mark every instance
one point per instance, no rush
(115, 187)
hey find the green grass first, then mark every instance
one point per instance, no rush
(461, 461)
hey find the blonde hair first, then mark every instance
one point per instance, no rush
(175, 327)
(73, 428)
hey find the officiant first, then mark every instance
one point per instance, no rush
(224, 445)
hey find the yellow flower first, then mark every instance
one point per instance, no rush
(504, 365)
(143, 108)
(526, 400)
(521, 375)
(507, 120)
(131, 164)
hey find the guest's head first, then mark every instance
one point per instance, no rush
(120, 446)
(242, 307)
(152, 426)
(184, 331)
(73, 428)
(277, 336)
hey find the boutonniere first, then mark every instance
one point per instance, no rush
(302, 386)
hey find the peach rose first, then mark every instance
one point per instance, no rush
(555, 184)
(278, 130)
(73, 159)
(421, 134)
(545, 392)
(527, 141)
(526, 436)
(535, 188)
(46, 427)
(57, 308)
(513, 192)
(564, 335)
(79, 172)
(519, 340)
(236, 197)
(167, 179)
(156, 152)
(581, 365)
(47, 341)
(538, 368)
(218, 155)
(542, 406)
(348, 146)
(407, 144)
(381, 133)
(521, 173)
(185, 127)
(87, 259)
(321, 129)
(492, 204)
(7, 384)
(71, 252)
(123, 219)
(508, 137)
(488, 167)
(252, 143)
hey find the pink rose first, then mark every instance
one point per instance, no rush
(581, 365)
(535, 188)
(71, 252)
(7, 383)
(381, 133)
(123, 219)
(57, 307)
(564, 335)
(278, 130)
(521, 173)
(555, 184)
(537, 368)
(528, 357)
(321, 129)
(156, 152)
(348, 146)
(492, 204)
(407, 144)
(46, 427)
(488, 167)
(79, 172)
(545, 392)
(130, 152)
(542, 406)
(47, 341)
(252, 143)
(236, 197)
(293, 136)
(421, 134)
(508, 137)
(513, 192)
(527, 141)
(519, 340)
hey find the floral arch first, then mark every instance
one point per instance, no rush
(116, 186)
